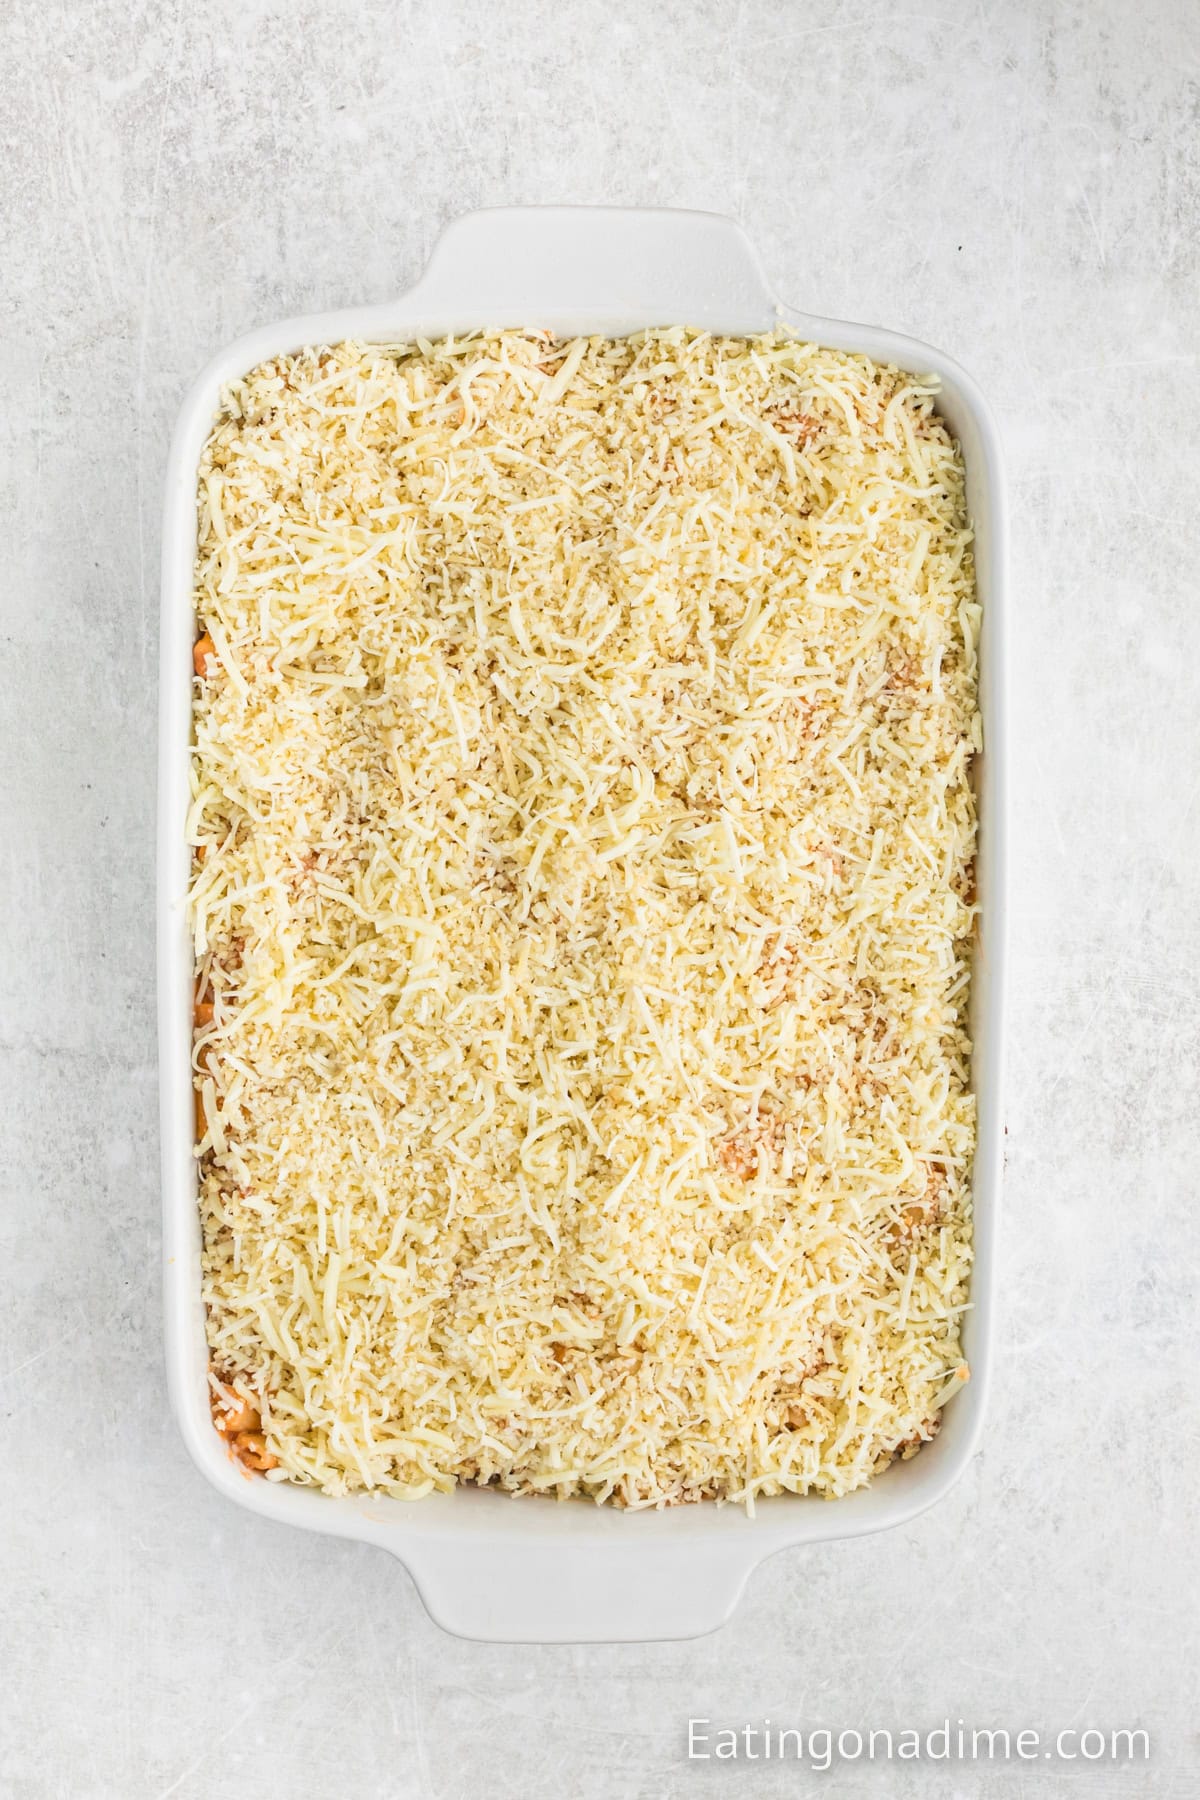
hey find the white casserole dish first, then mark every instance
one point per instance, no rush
(487, 1566)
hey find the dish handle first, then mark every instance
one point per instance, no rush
(548, 1592)
(563, 266)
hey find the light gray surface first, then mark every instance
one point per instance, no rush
(1021, 185)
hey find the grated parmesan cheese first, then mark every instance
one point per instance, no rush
(581, 904)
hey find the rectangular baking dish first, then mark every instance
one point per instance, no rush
(487, 1566)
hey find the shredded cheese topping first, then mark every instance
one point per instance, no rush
(582, 902)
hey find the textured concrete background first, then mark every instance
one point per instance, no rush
(1019, 183)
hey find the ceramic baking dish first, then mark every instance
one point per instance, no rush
(488, 1566)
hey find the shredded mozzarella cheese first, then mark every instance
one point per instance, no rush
(583, 893)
